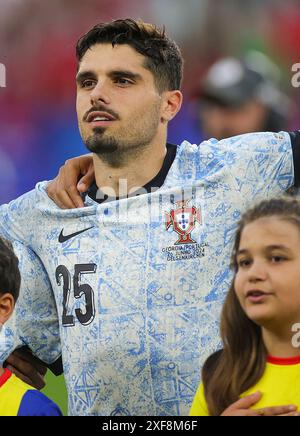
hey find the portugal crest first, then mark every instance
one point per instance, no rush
(183, 219)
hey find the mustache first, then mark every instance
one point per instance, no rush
(101, 108)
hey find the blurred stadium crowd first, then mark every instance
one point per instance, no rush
(38, 128)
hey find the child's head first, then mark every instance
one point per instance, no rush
(266, 260)
(264, 294)
(9, 280)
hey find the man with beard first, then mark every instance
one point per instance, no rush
(138, 275)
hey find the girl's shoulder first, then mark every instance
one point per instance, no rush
(212, 361)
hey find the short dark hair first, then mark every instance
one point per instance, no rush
(163, 56)
(10, 279)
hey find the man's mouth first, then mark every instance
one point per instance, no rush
(100, 117)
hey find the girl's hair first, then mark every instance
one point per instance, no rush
(240, 365)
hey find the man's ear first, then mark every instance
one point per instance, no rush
(171, 104)
(7, 304)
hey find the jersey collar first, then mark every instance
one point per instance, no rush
(284, 361)
(4, 377)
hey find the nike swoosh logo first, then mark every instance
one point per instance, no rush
(63, 238)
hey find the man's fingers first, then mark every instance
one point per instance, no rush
(86, 181)
(27, 356)
(74, 177)
(27, 370)
(27, 367)
(74, 197)
(22, 365)
(19, 375)
(63, 200)
(36, 380)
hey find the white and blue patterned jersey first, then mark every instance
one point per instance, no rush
(138, 283)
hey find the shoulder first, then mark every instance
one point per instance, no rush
(35, 403)
(259, 139)
(23, 208)
(212, 362)
(234, 150)
(248, 139)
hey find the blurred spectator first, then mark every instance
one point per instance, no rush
(8, 177)
(241, 96)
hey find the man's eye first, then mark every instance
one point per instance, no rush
(87, 83)
(123, 81)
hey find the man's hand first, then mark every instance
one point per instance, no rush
(74, 177)
(242, 408)
(27, 367)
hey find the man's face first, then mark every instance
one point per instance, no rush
(118, 105)
(223, 122)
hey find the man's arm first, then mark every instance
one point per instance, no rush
(74, 177)
(77, 174)
(27, 367)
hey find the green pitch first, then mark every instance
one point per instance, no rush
(56, 390)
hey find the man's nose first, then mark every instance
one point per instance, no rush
(99, 94)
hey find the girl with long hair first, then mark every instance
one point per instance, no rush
(258, 368)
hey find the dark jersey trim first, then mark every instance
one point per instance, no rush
(57, 367)
(157, 182)
(295, 140)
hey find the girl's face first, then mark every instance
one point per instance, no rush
(267, 282)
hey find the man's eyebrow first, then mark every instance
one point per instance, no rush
(115, 74)
(85, 75)
(125, 73)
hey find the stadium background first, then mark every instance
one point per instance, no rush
(38, 127)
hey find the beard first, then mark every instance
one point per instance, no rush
(99, 144)
(127, 143)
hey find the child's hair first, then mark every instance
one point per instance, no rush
(241, 364)
(10, 278)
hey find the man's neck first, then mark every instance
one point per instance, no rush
(135, 173)
(1, 372)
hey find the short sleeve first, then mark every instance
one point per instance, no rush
(199, 406)
(295, 140)
(35, 403)
(17, 218)
(34, 322)
(258, 164)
